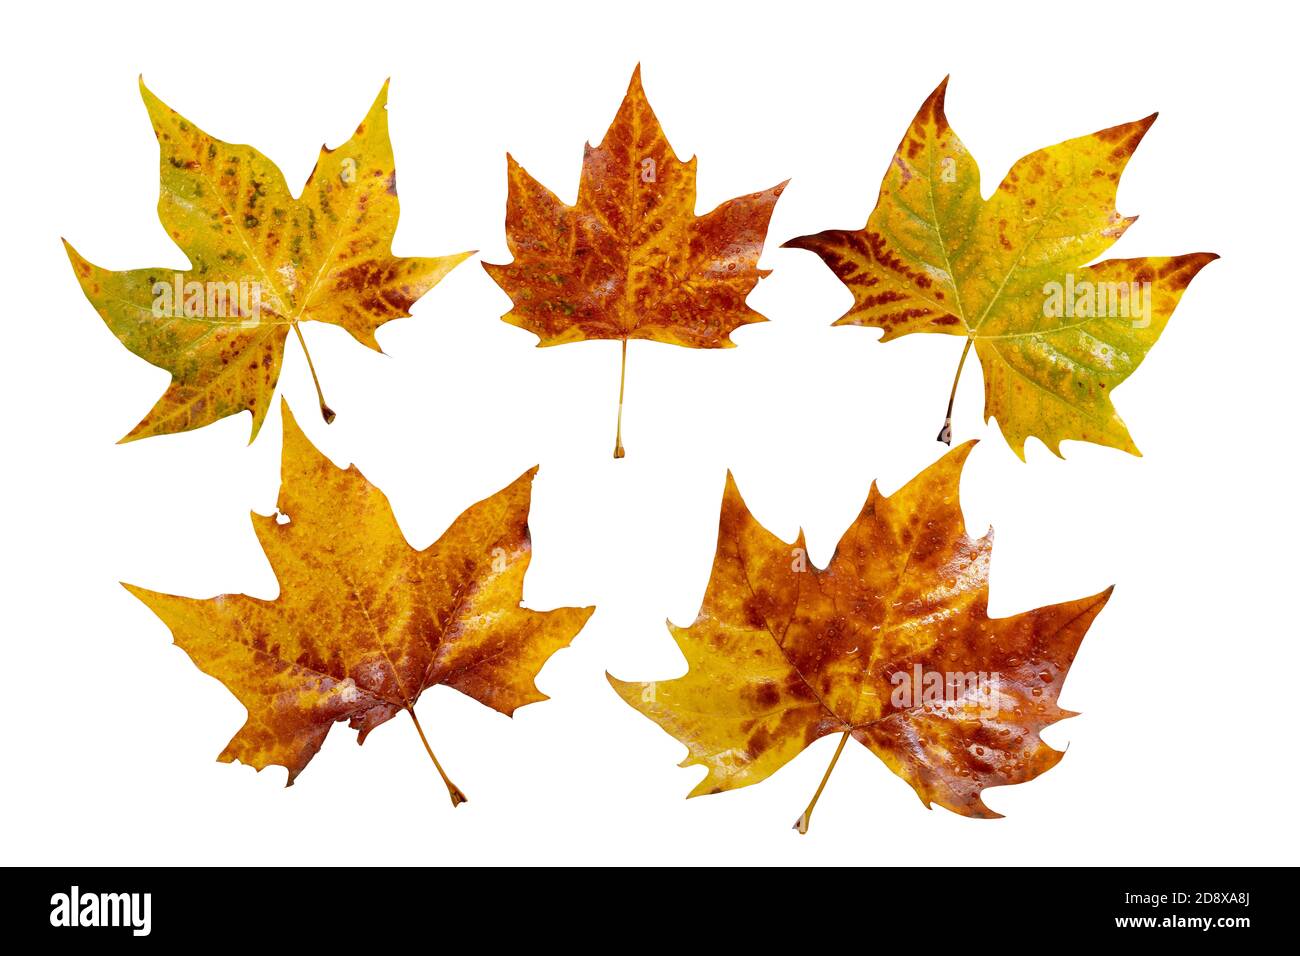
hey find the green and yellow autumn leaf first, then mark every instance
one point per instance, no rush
(261, 262)
(364, 623)
(1011, 275)
(890, 645)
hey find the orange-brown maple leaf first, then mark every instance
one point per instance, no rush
(364, 623)
(891, 644)
(631, 260)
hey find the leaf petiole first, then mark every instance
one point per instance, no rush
(457, 797)
(326, 412)
(618, 432)
(945, 433)
(802, 823)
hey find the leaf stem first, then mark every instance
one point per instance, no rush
(457, 798)
(622, 379)
(945, 433)
(326, 412)
(802, 823)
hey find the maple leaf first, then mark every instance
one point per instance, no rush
(261, 262)
(1054, 336)
(631, 260)
(891, 645)
(364, 623)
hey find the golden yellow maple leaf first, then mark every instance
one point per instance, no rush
(364, 623)
(631, 260)
(1010, 274)
(261, 261)
(891, 645)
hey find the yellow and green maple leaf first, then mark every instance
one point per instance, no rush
(1011, 275)
(261, 262)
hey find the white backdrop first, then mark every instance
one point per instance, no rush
(1181, 754)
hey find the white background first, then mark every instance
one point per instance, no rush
(1184, 751)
